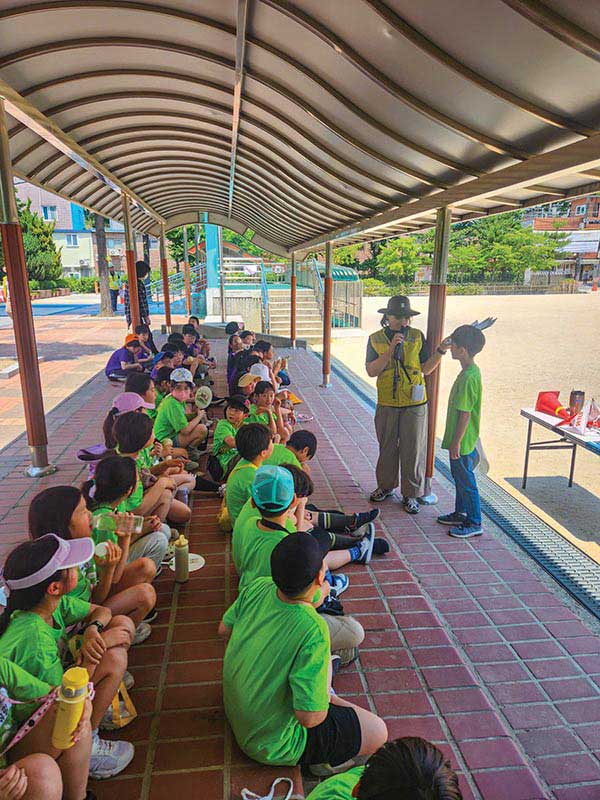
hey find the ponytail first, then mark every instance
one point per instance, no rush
(108, 429)
(115, 478)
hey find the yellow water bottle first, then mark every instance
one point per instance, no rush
(182, 559)
(72, 695)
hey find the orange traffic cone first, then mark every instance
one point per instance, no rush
(595, 284)
(548, 403)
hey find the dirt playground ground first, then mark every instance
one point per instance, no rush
(539, 342)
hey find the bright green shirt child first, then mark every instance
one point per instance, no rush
(19, 685)
(170, 418)
(152, 412)
(339, 787)
(38, 647)
(222, 452)
(465, 395)
(263, 418)
(244, 525)
(237, 488)
(254, 551)
(276, 661)
(282, 455)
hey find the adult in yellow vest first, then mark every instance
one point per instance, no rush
(398, 356)
(114, 284)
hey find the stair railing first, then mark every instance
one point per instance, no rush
(177, 284)
(264, 291)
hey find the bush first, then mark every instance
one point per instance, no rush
(372, 287)
(80, 285)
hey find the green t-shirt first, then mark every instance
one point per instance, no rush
(465, 395)
(170, 419)
(254, 551)
(237, 488)
(282, 455)
(38, 647)
(144, 459)
(157, 401)
(263, 418)
(108, 532)
(276, 661)
(246, 520)
(18, 685)
(220, 449)
(87, 578)
(339, 787)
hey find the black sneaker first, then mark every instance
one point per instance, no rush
(364, 517)
(452, 519)
(380, 546)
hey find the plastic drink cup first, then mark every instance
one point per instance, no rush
(129, 523)
(72, 695)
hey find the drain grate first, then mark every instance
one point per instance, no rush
(570, 567)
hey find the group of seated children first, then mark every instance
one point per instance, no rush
(287, 632)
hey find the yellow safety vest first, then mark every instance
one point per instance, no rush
(394, 384)
(113, 281)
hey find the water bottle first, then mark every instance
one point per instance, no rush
(72, 695)
(182, 559)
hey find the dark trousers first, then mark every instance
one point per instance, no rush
(467, 494)
(114, 296)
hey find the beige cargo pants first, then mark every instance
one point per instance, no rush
(402, 437)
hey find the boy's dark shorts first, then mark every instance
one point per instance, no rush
(335, 740)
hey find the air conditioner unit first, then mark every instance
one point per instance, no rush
(84, 262)
(115, 252)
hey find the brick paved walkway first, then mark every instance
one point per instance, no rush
(467, 643)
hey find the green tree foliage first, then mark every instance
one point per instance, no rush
(41, 254)
(399, 259)
(175, 243)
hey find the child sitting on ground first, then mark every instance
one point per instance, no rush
(224, 449)
(34, 774)
(115, 480)
(125, 588)
(155, 492)
(146, 354)
(266, 409)
(462, 432)
(254, 444)
(277, 668)
(405, 769)
(160, 360)
(124, 360)
(33, 631)
(171, 420)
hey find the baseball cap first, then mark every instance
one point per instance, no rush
(182, 375)
(130, 401)
(247, 379)
(232, 327)
(159, 356)
(273, 488)
(297, 559)
(131, 338)
(69, 553)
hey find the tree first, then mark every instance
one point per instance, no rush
(347, 255)
(100, 230)
(41, 254)
(399, 259)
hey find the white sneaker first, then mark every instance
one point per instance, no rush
(109, 758)
(142, 632)
(107, 722)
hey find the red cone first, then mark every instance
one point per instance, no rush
(548, 403)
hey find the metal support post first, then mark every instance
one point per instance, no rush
(186, 274)
(293, 299)
(435, 326)
(222, 277)
(327, 307)
(134, 301)
(22, 317)
(165, 277)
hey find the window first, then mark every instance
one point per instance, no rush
(49, 212)
(111, 244)
(580, 210)
(72, 240)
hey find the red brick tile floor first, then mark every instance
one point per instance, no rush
(467, 643)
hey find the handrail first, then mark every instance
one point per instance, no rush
(177, 284)
(264, 289)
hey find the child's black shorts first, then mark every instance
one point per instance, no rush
(335, 740)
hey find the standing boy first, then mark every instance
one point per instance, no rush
(462, 432)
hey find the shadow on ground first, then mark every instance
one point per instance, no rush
(60, 352)
(575, 508)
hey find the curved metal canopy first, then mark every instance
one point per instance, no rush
(307, 120)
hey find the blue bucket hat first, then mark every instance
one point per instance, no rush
(159, 356)
(273, 489)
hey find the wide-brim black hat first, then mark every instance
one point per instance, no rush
(399, 306)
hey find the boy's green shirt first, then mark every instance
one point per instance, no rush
(152, 412)
(238, 488)
(282, 455)
(244, 526)
(38, 647)
(465, 395)
(224, 453)
(19, 685)
(339, 787)
(276, 661)
(254, 551)
(263, 417)
(170, 419)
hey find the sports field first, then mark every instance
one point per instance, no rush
(539, 342)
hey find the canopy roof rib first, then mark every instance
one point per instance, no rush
(300, 122)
